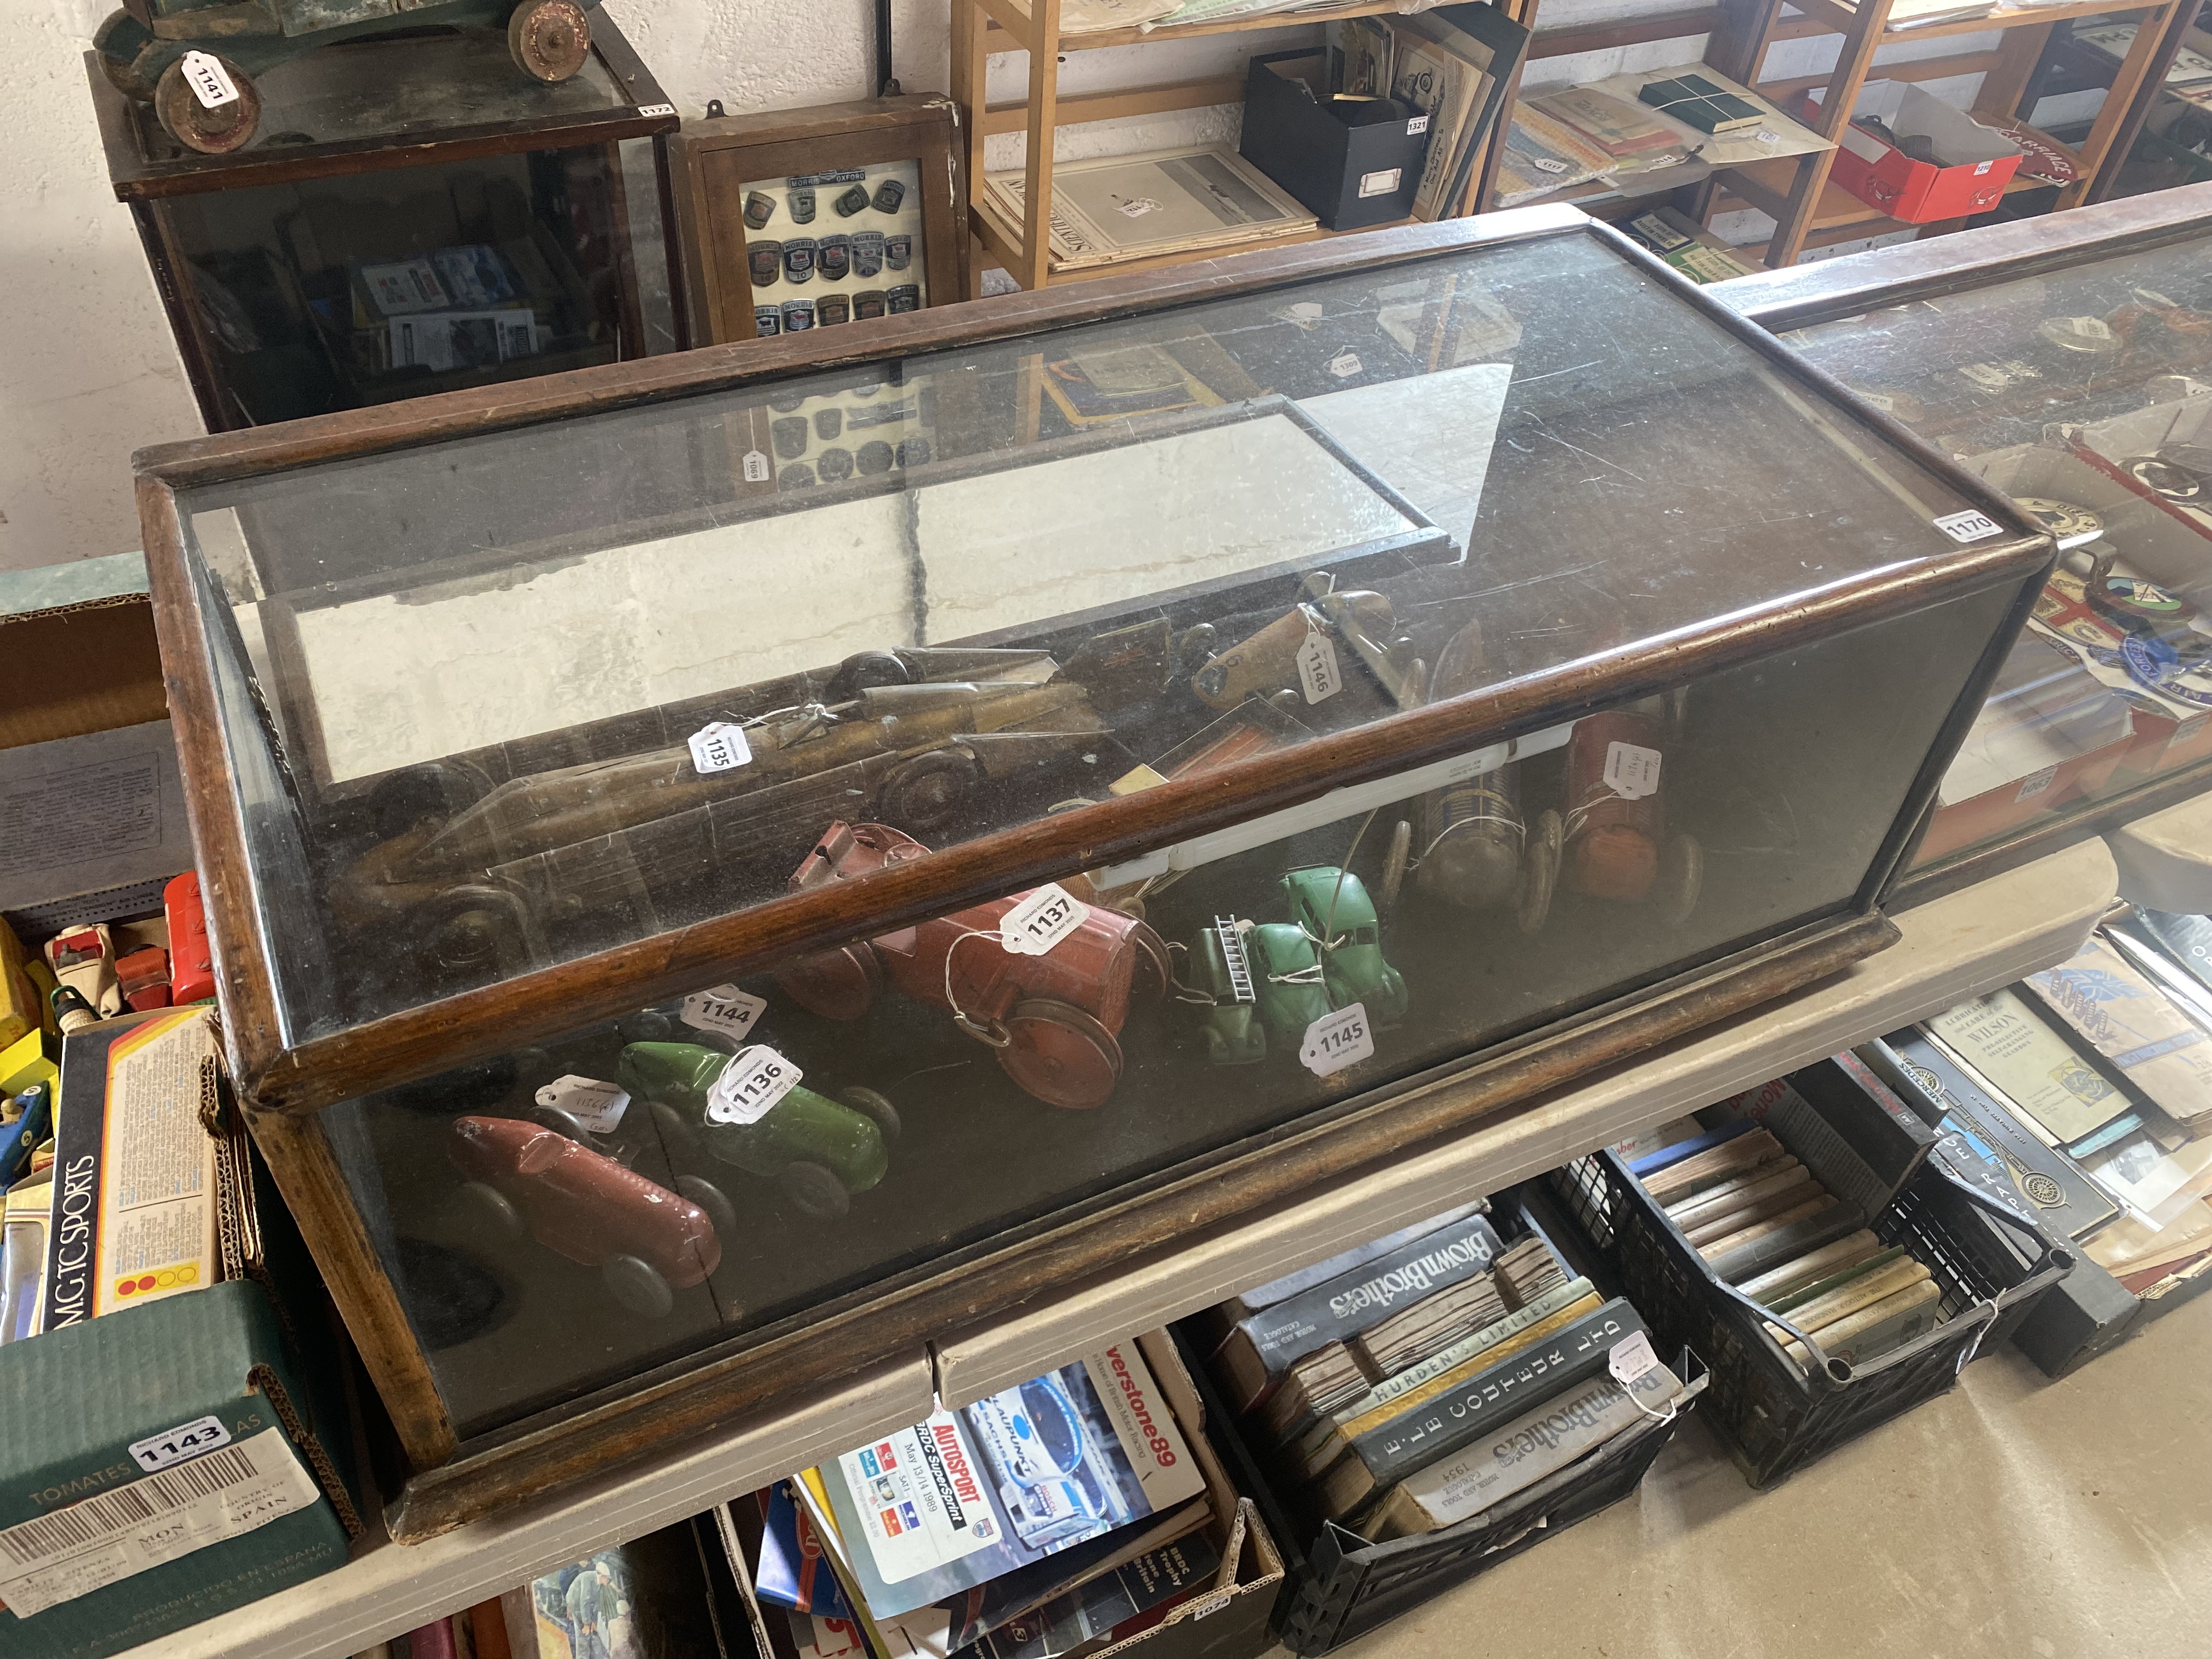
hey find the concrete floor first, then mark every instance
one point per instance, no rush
(2015, 1518)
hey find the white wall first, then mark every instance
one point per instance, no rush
(87, 370)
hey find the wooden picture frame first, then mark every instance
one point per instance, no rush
(721, 163)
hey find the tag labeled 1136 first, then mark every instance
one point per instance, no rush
(1338, 1040)
(751, 1084)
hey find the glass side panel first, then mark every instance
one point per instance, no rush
(541, 693)
(2086, 395)
(567, 1215)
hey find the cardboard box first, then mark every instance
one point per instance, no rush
(92, 815)
(1230, 1620)
(1981, 162)
(1349, 176)
(191, 1459)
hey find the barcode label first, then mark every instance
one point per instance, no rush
(159, 1518)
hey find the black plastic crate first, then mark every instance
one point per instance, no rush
(1776, 1417)
(1338, 1586)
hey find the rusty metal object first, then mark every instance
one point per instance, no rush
(215, 131)
(549, 40)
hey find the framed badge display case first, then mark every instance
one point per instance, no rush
(817, 217)
(2067, 361)
(692, 930)
(414, 215)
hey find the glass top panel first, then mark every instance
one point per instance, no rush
(955, 593)
(386, 87)
(2084, 394)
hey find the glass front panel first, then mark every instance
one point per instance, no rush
(331, 294)
(538, 693)
(567, 1214)
(2084, 394)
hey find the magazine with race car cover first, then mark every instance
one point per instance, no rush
(970, 1494)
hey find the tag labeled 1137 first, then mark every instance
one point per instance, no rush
(1041, 920)
(751, 1084)
(1338, 1040)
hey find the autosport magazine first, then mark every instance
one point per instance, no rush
(971, 1494)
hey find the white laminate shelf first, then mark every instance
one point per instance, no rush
(2165, 858)
(1957, 946)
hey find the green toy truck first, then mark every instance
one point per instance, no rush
(1279, 977)
(819, 1151)
(195, 60)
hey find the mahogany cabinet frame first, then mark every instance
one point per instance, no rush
(896, 1317)
(713, 159)
(1825, 291)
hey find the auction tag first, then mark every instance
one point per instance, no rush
(1209, 1607)
(1631, 1358)
(158, 1451)
(2036, 782)
(722, 1008)
(750, 1085)
(1344, 364)
(1338, 1040)
(1416, 125)
(1768, 136)
(1318, 672)
(1042, 920)
(1631, 771)
(1880, 400)
(648, 111)
(1988, 376)
(2088, 328)
(720, 747)
(756, 466)
(597, 1106)
(1969, 526)
(210, 82)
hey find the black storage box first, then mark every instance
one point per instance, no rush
(1351, 176)
(1337, 1585)
(1774, 1416)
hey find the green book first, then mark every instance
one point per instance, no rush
(1697, 102)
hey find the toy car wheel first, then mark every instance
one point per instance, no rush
(215, 131)
(563, 1123)
(711, 1198)
(677, 1135)
(638, 1286)
(816, 1190)
(117, 42)
(864, 670)
(839, 984)
(1539, 871)
(487, 1208)
(1061, 1054)
(1396, 863)
(926, 791)
(1681, 876)
(1155, 972)
(477, 930)
(548, 39)
(877, 1110)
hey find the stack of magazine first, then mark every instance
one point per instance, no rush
(1425, 62)
(1425, 1377)
(1053, 1518)
(1194, 198)
(2083, 1096)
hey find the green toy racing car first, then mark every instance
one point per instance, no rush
(819, 1151)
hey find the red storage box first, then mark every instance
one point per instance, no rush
(1919, 193)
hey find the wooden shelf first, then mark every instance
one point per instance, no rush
(1011, 17)
(992, 234)
(1963, 944)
